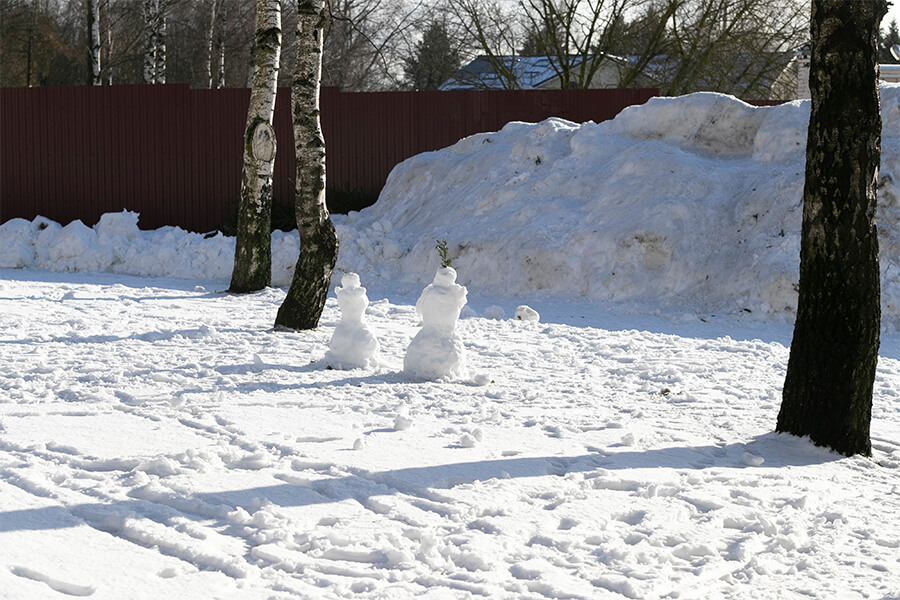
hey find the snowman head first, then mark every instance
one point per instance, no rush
(445, 276)
(350, 280)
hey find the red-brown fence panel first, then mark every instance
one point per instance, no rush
(173, 154)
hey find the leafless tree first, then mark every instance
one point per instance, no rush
(305, 299)
(493, 29)
(253, 254)
(734, 46)
(93, 30)
(363, 46)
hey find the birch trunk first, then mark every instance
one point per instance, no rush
(94, 31)
(831, 370)
(149, 41)
(210, 42)
(107, 72)
(160, 70)
(220, 75)
(305, 299)
(220, 78)
(253, 252)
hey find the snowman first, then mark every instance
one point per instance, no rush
(437, 350)
(353, 344)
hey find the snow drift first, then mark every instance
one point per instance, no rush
(692, 202)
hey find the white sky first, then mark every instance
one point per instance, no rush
(893, 14)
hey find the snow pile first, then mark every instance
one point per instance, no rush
(116, 244)
(692, 203)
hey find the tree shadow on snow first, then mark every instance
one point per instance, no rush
(610, 469)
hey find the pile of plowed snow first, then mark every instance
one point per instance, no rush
(691, 202)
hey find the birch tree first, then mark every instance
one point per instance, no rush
(831, 370)
(160, 55)
(253, 252)
(215, 45)
(108, 49)
(93, 19)
(305, 299)
(149, 42)
(211, 40)
(154, 41)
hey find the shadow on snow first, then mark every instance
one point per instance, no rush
(310, 486)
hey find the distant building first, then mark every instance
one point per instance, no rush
(531, 73)
(773, 75)
(887, 73)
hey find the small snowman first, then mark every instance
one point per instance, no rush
(353, 344)
(437, 350)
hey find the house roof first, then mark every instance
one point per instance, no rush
(530, 72)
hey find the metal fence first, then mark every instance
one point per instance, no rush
(173, 154)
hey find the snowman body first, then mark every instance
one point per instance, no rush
(437, 351)
(353, 344)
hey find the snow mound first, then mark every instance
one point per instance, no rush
(692, 201)
(689, 203)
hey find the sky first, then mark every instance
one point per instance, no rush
(892, 15)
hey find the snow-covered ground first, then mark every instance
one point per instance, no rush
(159, 439)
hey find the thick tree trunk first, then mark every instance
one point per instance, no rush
(305, 299)
(253, 248)
(829, 383)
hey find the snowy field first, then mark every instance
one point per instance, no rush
(159, 439)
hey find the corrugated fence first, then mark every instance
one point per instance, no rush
(173, 154)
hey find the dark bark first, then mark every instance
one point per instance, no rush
(305, 299)
(828, 388)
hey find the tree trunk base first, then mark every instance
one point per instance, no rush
(305, 300)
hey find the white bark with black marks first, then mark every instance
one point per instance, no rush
(210, 41)
(161, 30)
(149, 13)
(305, 299)
(154, 42)
(253, 254)
(94, 31)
